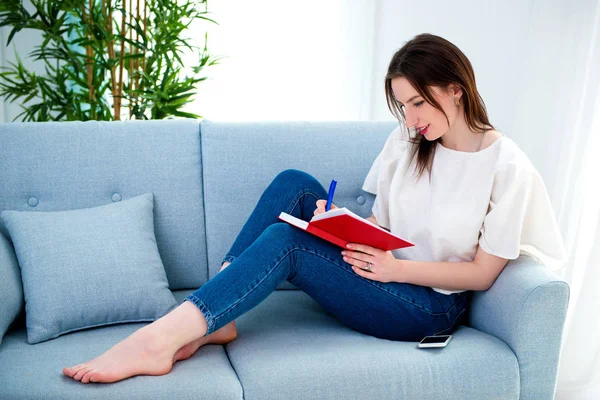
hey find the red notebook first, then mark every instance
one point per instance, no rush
(341, 226)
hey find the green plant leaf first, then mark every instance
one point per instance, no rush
(157, 87)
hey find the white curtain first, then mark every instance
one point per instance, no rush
(577, 196)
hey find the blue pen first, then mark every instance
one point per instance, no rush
(330, 195)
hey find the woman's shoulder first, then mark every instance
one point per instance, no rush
(510, 155)
(490, 138)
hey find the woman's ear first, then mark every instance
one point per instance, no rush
(455, 91)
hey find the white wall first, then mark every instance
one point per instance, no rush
(479, 29)
(309, 60)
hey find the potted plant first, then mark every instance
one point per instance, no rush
(105, 59)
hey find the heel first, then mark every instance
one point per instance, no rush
(224, 335)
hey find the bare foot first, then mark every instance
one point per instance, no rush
(224, 335)
(142, 353)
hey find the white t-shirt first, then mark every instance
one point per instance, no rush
(493, 198)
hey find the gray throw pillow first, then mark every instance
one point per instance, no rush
(89, 267)
(11, 291)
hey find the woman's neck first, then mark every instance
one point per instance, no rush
(460, 138)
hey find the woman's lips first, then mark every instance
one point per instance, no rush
(424, 130)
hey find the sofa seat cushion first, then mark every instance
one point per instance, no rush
(35, 371)
(289, 347)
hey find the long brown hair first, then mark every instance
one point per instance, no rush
(429, 60)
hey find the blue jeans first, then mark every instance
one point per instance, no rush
(268, 252)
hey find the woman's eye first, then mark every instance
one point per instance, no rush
(419, 104)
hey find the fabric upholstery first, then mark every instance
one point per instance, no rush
(11, 290)
(526, 308)
(288, 347)
(55, 166)
(34, 372)
(241, 159)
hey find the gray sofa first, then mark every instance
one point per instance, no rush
(206, 178)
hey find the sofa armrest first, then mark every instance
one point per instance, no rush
(526, 308)
(11, 289)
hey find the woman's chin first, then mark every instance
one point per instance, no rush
(432, 137)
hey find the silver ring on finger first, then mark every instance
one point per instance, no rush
(368, 267)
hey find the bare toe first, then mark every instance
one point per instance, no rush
(80, 373)
(71, 371)
(87, 376)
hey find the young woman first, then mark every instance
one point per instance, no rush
(464, 193)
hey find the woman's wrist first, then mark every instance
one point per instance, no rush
(400, 267)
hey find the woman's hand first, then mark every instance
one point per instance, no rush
(321, 207)
(384, 266)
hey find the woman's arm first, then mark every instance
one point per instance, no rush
(373, 220)
(479, 274)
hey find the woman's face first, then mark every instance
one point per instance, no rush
(426, 119)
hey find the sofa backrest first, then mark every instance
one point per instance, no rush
(205, 179)
(241, 159)
(54, 166)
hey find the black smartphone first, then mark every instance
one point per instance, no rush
(434, 341)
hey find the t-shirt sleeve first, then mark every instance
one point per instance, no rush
(370, 183)
(521, 219)
(380, 175)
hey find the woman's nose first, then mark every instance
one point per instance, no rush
(411, 122)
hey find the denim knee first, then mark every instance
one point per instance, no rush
(305, 179)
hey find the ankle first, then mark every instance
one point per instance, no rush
(153, 340)
(225, 264)
(182, 325)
